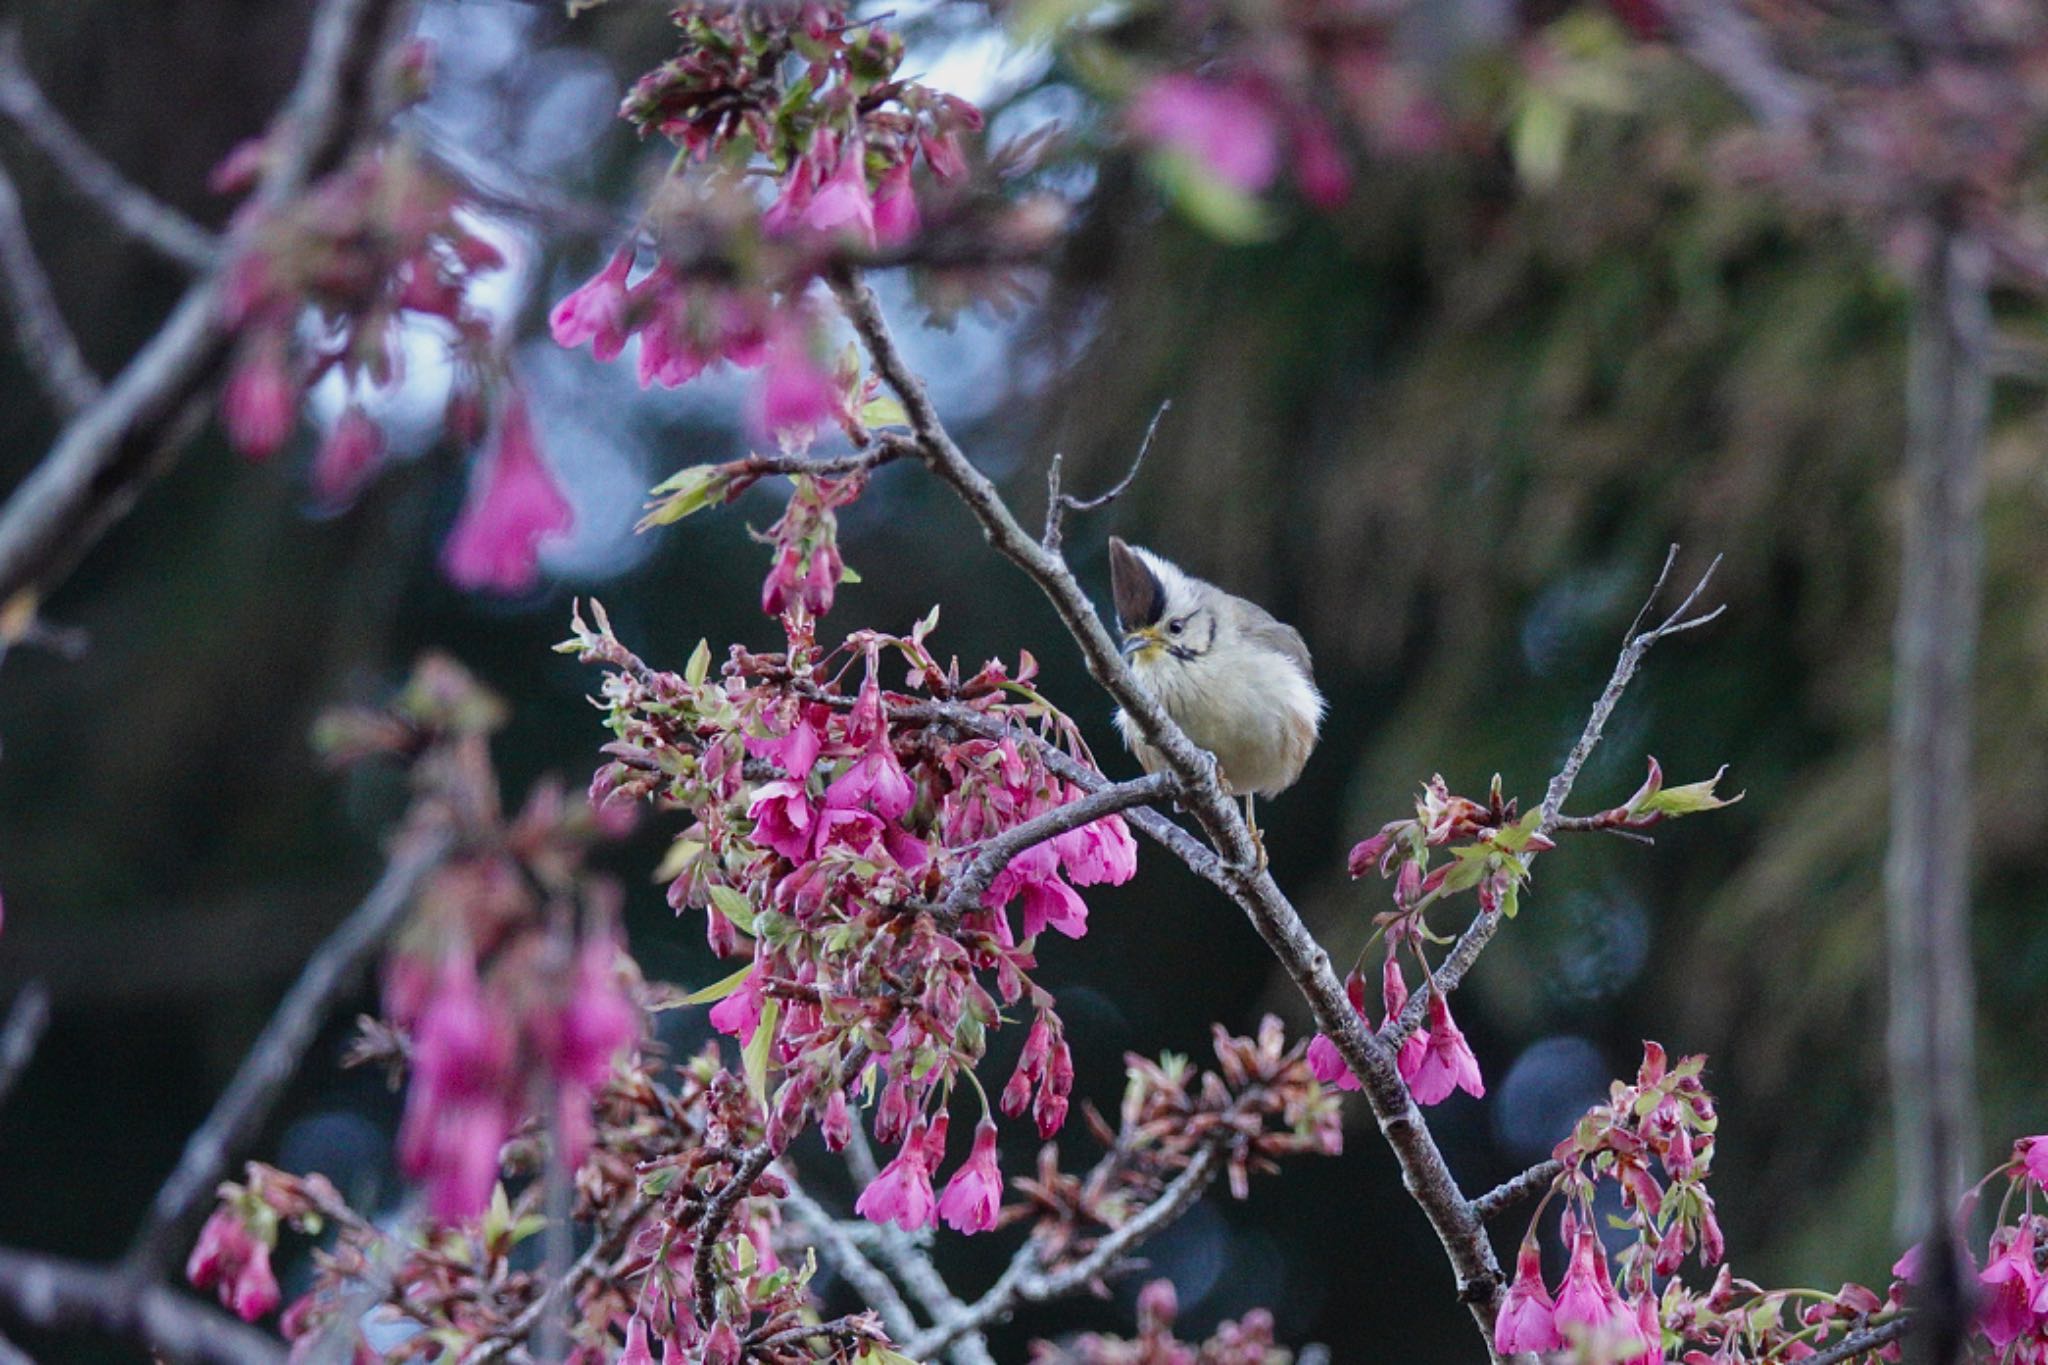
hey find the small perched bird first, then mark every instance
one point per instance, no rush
(1236, 680)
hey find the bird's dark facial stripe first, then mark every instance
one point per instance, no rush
(1139, 596)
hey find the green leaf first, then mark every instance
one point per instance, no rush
(1541, 134)
(847, 575)
(1689, 799)
(699, 666)
(684, 492)
(720, 989)
(734, 907)
(884, 410)
(755, 1056)
(1225, 213)
(1511, 900)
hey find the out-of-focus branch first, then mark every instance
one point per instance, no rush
(600, 1250)
(1235, 864)
(1927, 866)
(27, 1018)
(1719, 36)
(271, 1063)
(1857, 1344)
(1021, 1282)
(47, 346)
(103, 459)
(52, 1294)
(875, 1288)
(138, 212)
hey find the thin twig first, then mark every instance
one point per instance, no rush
(1058, 504)
(270, 1065)
(1021, 1283)
(912, 1262)
(1515, 1189)
(1484, 925)
(10, 1354)
(52, 1294)
(1861, 1343)
(718, 1211)
(138, 212)
(47, 346)
(1235, 864)
(27, 1019)
(601, 1249)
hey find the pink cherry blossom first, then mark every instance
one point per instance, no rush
(1328, 1064)
(637, 1351)
(1226, 128)
(1528, 1317)
(260, 402)
(595, 311)
(739, 1014)
(797, 394)
(455, 1117)
(876, 781)
(513, 506)
(783, 819)
(794, 751)
(896, 216)
(1319, 165)
(2033, 1154)
(1447, 1062)
(597, 1022)
(842, 205)
(230, 1259)
(902, 1192)
(1099, 853)
(975, 1192)
(1587, 1299)
(2006, 1312)
(348, 457)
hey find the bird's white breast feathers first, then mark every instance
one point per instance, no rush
(1250, 707)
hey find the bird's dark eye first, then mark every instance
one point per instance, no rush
(1176, 627)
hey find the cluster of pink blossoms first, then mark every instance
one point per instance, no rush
(368, 254)
(232, 1256)
(809, 96)
(2012, 1313)
(827, 831)
(1237, 129)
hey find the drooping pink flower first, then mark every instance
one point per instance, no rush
(783, 818)
(1227, 128)
(876, 781)
(1328, 1064)
(1528, 1316)
(739, 1014)
(896, 215)
(975, 1192)
(942, 153)
(1447, 1062)
(1649, 1332)
(1394, 996)
(2011, 1279)
(1587, 1299)
(2033, 1154)
(513, 506)
(722, 1345)
(597, 1022)
(797, 394)
(260, 402)
(595, 311)
(1053, 1091)
(1050, 903)
(902, 1192)
(836, 1125)
(780, 588)
(456, 1117)
(637, 1351)
(347, 458)
(1099, 853)
(842, 207)
(821, 579)
(794, 751)
(230, 1259)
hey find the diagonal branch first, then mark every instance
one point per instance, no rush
(47, 345)
(270, 1065)
(875, 1287)
(1022, 1283)
(138, 212)
(105, 457)
(1235, 865)
(53, 1294)
(1515, 1189)
(1480, 932)
(27, 1018)
(997, 853)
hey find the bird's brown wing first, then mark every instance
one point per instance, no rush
(1260, 627)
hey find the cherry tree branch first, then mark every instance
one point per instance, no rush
(135, 210)
(601, 1249)
(53, 1294)
(1236, 868)
(1861, 1343)
(874, 1286)
(1465, 952)
(1058, 504)
(27, 1018)
(104, 458)
(1515, 1189)
(47, 346)
(1021, 1282)
(271, 1063)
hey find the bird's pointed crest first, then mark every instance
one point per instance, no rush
(1139, 596)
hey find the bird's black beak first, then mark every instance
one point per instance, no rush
(1139, 596)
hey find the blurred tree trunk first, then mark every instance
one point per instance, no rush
(1927, 870)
